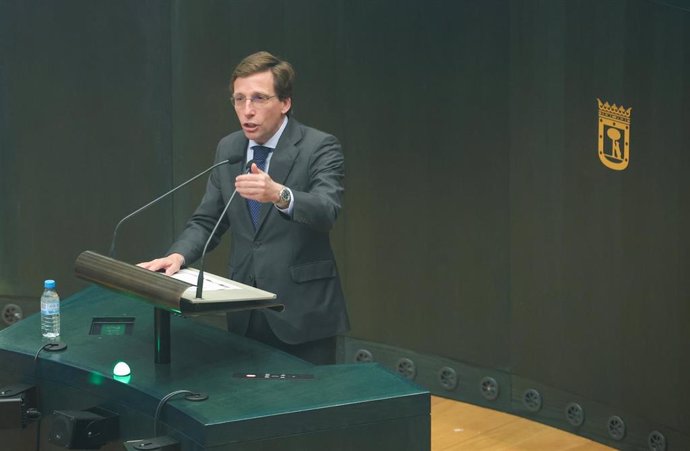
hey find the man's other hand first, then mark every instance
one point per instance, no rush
(258, 186)
(170, 264)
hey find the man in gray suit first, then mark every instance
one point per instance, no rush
(280, 229)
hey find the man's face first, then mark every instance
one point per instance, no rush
(259, 121)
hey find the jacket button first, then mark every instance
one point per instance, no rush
(257, 244)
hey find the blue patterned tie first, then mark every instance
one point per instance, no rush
(260, 156)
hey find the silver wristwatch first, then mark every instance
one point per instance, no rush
(284, 198)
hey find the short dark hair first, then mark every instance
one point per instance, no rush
(283, 73)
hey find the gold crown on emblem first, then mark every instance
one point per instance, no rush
(618, 113)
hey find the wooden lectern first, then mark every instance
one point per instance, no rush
(171, 294)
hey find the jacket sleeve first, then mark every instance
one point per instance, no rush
(318, 206)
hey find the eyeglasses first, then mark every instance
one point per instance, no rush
(257, 100)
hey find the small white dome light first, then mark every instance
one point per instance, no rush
(121, 369)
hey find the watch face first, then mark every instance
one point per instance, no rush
(285, 195)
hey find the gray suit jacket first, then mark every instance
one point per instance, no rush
(291, 257)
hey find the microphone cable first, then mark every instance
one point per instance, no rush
(34, 414)
(191, 396)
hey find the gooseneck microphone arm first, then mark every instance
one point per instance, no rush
(111, 254)
(200, 278)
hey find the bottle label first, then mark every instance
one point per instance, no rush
(50, 309)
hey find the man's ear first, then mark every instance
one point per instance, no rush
(287, 104)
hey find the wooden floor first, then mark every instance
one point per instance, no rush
(460, 426)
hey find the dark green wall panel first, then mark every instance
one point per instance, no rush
(427, 211)
(598, 303)
(86, 134)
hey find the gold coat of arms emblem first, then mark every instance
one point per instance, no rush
(614, 135)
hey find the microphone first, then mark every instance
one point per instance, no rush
(232, 160)
(200, 278)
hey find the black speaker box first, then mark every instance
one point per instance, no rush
(16, 403)
(83, 429)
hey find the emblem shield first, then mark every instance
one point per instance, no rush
(614, 135)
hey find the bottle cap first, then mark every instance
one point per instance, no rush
(49, 284)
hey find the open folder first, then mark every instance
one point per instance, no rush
(176, 293)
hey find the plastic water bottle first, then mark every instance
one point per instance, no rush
(50, 311)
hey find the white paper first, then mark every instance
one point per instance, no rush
(211, 282)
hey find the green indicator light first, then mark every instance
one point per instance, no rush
(121, 369)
